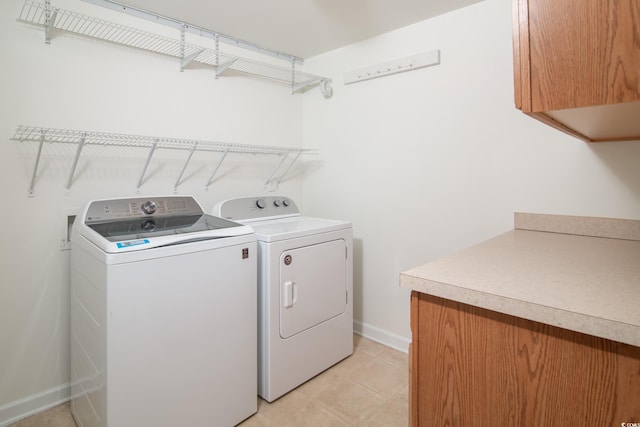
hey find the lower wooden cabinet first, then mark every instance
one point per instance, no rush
(474, 367)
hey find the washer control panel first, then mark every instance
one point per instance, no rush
(254, 208)
(141, 207)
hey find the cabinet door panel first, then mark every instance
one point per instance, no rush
(475, 367)
(583, 53)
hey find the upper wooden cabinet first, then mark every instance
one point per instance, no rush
(577, 65)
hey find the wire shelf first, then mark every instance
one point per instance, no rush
(53, 135)
(84, 138)
(50, 18)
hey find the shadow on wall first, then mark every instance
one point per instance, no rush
(622, 158)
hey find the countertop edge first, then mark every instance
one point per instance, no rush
(543, 253)
(577, 322)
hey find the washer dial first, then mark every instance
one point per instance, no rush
(149, 207)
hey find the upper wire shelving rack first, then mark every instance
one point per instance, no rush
(83, 138)
(50, 18)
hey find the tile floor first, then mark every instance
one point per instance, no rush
(370, 388)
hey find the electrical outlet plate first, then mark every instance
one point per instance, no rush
(68, 216)
(408, 63)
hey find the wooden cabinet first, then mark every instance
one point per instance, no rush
(577, 65)
(474, 367)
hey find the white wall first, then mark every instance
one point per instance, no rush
(83, 84)
(430, 161)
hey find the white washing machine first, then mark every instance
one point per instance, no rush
(305, 290)
(163, 315)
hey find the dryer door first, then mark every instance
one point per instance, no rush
(313, 286)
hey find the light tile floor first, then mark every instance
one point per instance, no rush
(370, 388)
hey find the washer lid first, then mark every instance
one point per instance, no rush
(291, 228)
(145, 228)
(121, 225)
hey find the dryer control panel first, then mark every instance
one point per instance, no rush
(256, 208)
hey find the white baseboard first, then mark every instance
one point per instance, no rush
(389, 339)
(30, 405)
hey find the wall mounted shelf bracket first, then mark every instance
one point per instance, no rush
(37, 163)
(146, 164)
(189, 58)
(272, 183)
(74, 166)
(217, 167)
(223, 67)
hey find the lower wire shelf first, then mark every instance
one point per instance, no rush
(83, 138)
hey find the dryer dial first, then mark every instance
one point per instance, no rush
(276, 203)
(260, 203)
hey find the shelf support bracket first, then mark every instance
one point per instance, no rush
(301, 86)
(187, 59)
(184, 168)
(217, 42)
(289, 167)
(215, 170)
(49, 23)
(75, 160)
(221, 68)
(293, 77)
(146, 164)
(35, 167)
(284, 157)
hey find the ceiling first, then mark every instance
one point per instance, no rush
(301, 28)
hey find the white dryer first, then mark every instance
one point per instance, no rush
(163, 315)
(305, 290)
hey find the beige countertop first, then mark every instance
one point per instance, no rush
(576, 273)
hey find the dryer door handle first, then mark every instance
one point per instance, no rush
(289, 294)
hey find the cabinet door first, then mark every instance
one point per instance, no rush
(475, 367)
(580, 53)
(577, 66)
